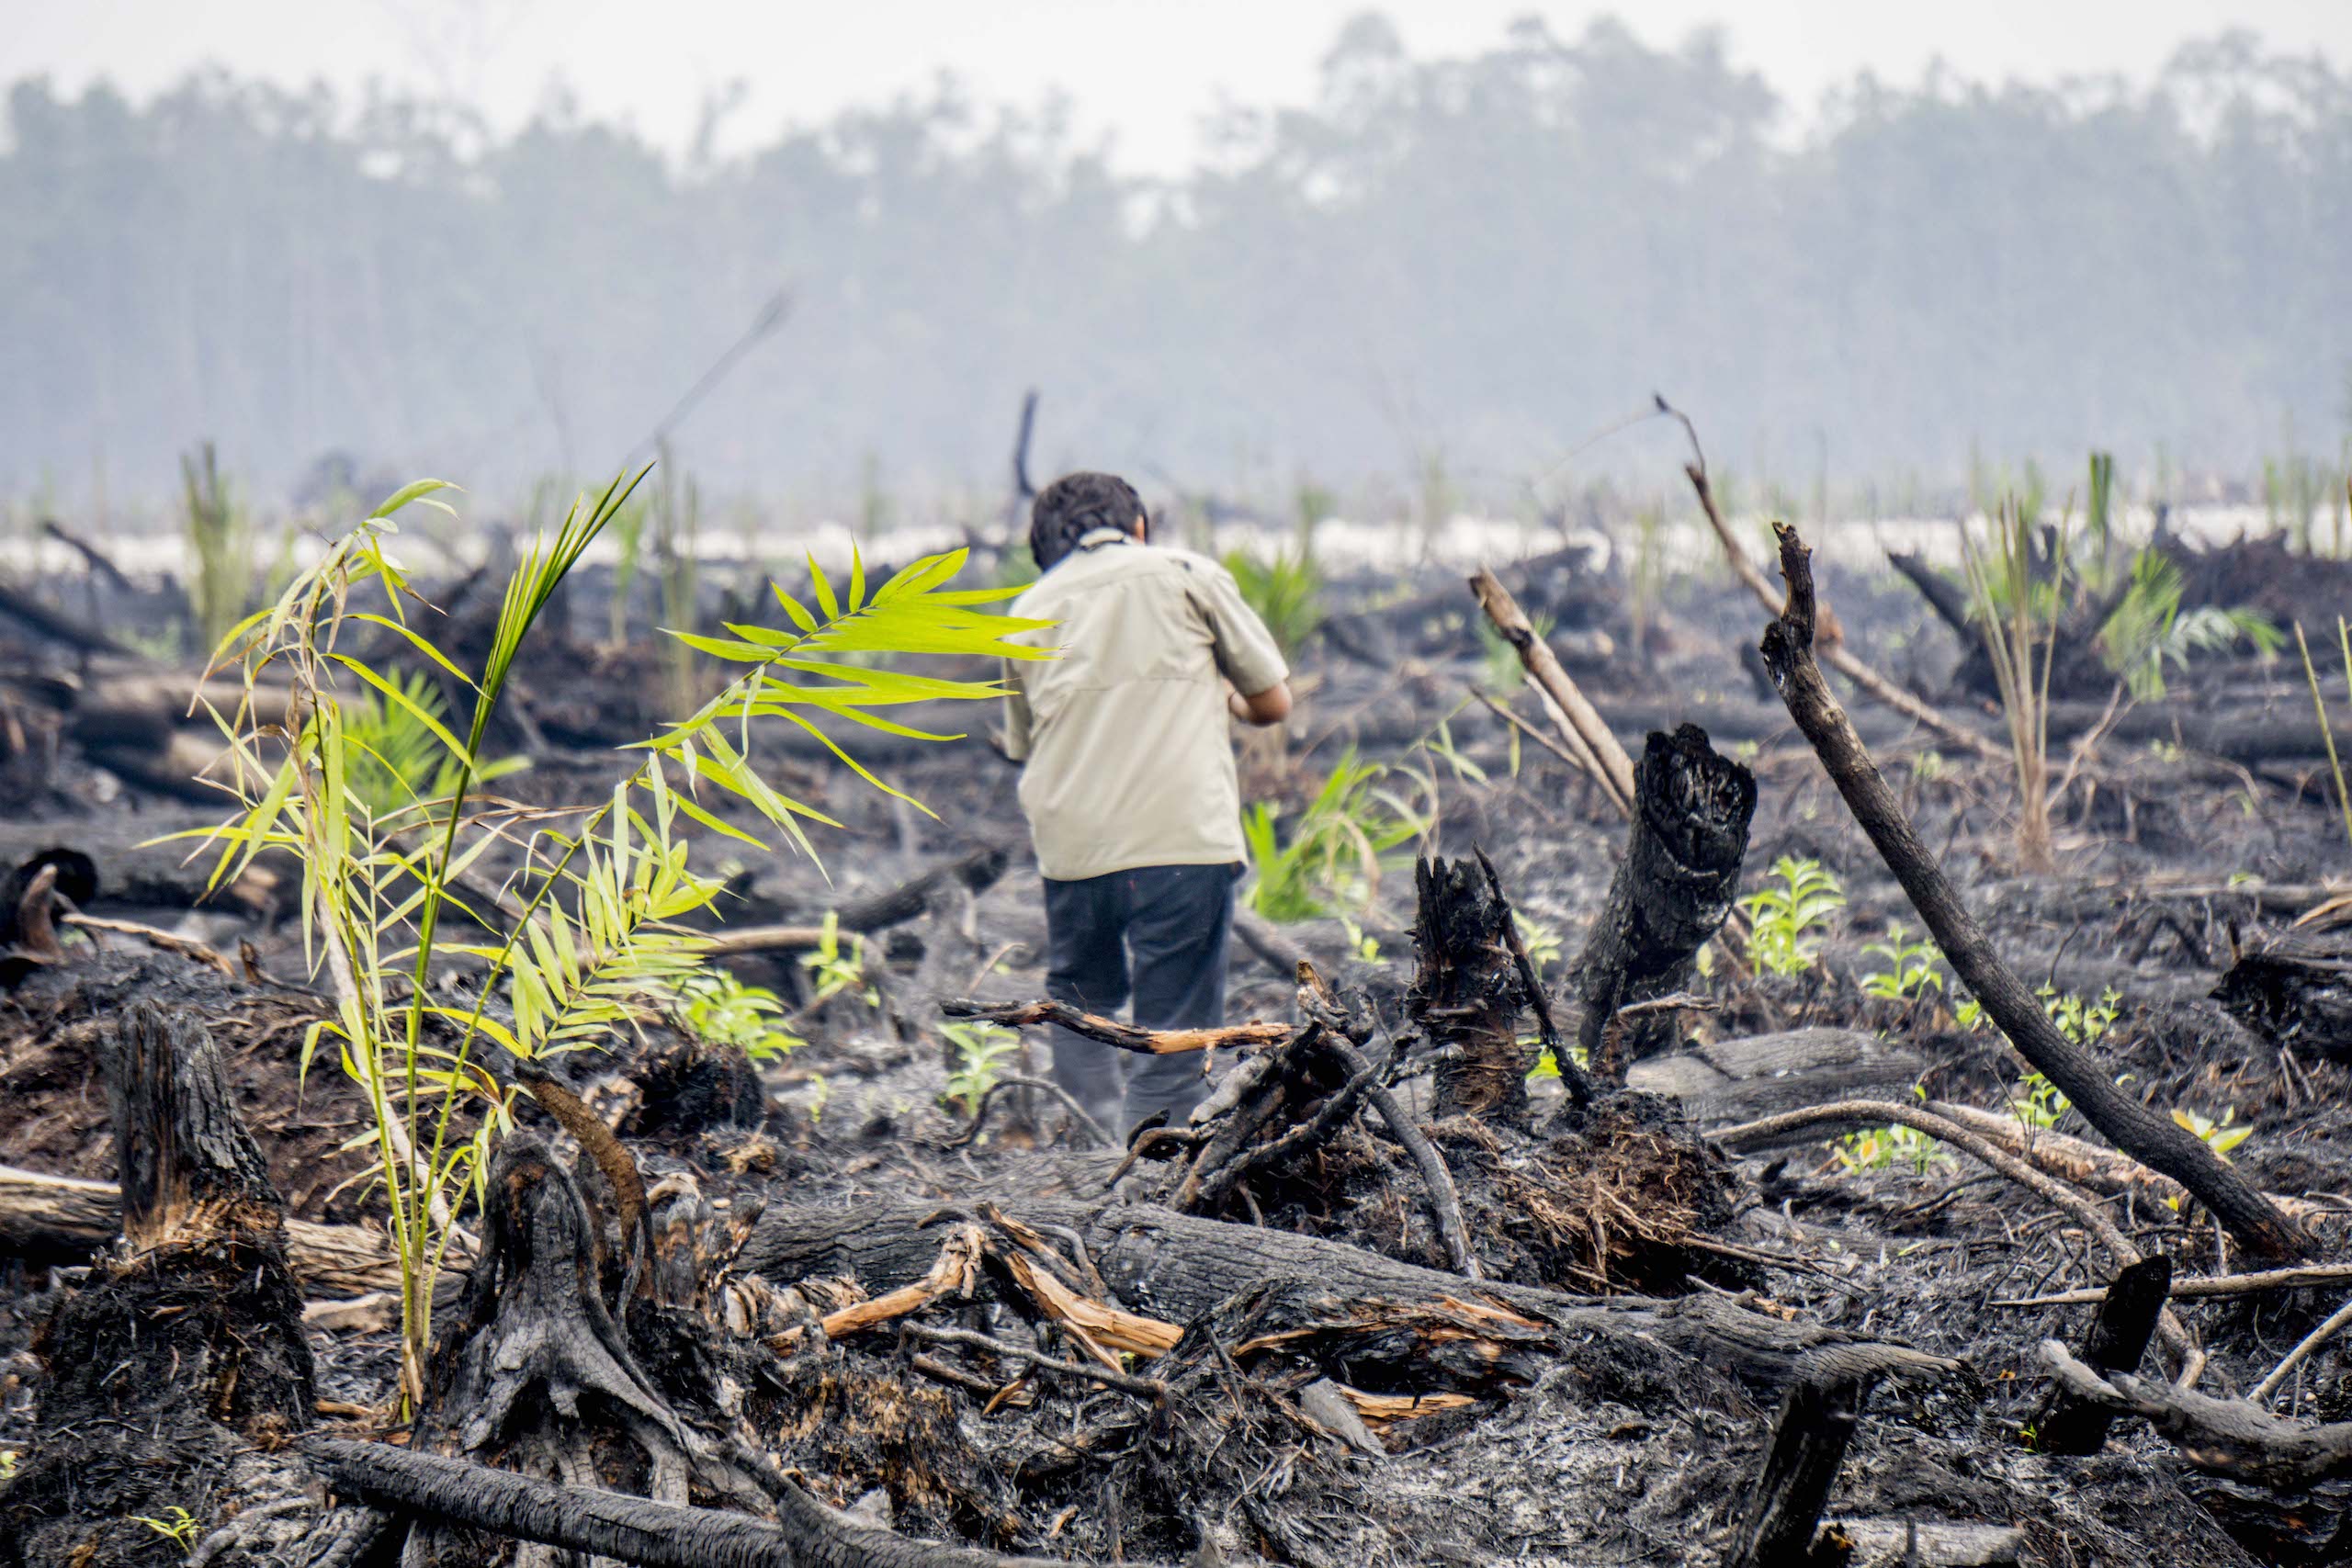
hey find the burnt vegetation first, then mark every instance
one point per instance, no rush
(1657, 1119)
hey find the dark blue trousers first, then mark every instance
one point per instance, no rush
(1157, 935)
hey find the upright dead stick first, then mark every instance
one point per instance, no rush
(1585, 724)
(1841, 658)
(2154, 1140)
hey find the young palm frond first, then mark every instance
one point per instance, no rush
(595, 942)
(2016, 613)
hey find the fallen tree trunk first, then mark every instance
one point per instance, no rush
(2130, 1125)
(1670, 895)
(1176, 1267)
(63, 1219)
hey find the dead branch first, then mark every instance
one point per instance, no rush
(2336, 1325)
(1125, 1036)
(1079, 1118)
(1832, 638)
(614, 1525)
(2130, 1125)
(1868, 1113)
(2211, 1285)
(2222, 1436)
(1585, 726)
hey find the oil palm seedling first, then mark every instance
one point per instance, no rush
(595, 943)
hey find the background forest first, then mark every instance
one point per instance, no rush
(1478, 260)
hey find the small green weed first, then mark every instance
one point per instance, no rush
(179, 1528)
(980, 1050)
(834, 970)
(1286, 591)
(1780, 918)
(1334, 854)
(725, 1011)
(2220, 1136)
(1911, 971)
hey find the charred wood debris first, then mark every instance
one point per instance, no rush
(1512, 1228)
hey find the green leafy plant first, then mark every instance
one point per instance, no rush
(1782, 918)
(397, 763)
(2148, 630)
(2039, 1102)
(980, 1049)
(595, 943)
(834, 969)
(2016, 613)
(725, 1011)
(2219, 1134)
(179, 1527)
(1881, 1148)
(1911, 969)
(1335, 849)
(1287, 590)
(2080, 1022)
(2326, 729)
(222, 544)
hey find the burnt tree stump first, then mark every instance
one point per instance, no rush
(1809, 1440)
(1468, 990)
(1671, 893)
(184, 1357)
(2070, 1423)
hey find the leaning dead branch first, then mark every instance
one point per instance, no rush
(1125, 1036)
(1585, 727)
(1841, 658)
(2130, 1125)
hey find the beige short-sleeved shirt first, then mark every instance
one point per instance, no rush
(1129, 757)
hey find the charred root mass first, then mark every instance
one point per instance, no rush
(1671, 893)
(182, 1364)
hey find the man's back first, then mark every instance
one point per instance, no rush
(1125, 734)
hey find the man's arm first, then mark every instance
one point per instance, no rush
(1246, 651)
(1268, 706)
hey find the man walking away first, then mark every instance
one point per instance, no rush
(1129, 784)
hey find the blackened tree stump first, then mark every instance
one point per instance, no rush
(1671, 893)
(184, 1357)
(1467, 991)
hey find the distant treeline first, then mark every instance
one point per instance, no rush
(1471, 261)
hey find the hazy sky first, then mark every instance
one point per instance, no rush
(1142, 69)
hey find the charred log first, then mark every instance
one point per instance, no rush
(1671, 893)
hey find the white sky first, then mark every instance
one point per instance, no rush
(1143, 71)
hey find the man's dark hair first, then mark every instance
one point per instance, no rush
(1074, 506)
